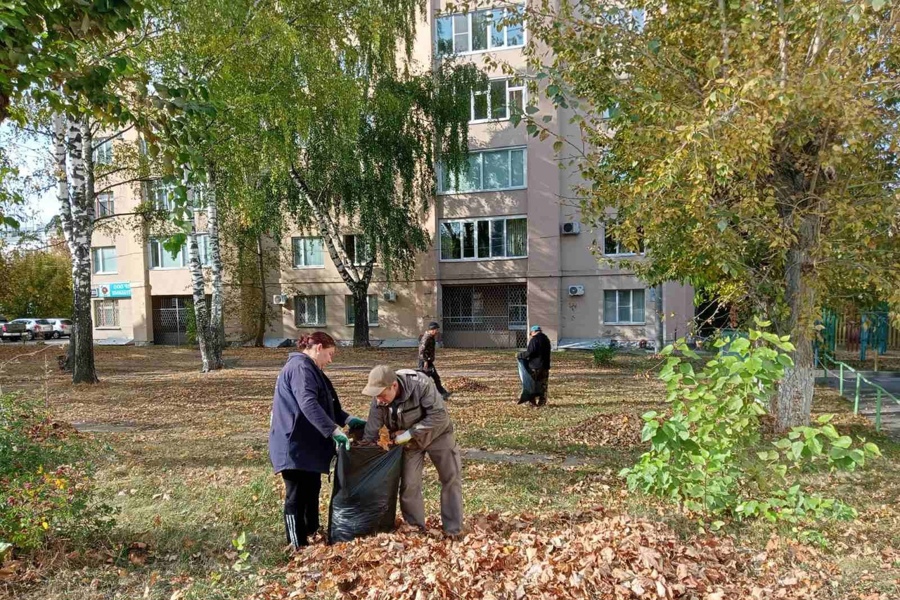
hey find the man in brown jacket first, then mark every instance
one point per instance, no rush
(408, 404)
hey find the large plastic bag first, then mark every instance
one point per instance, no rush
(529, 387)
(364, 496)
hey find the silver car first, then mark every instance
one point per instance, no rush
(36, 328)
(61, 328)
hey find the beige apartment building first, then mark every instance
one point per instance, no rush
(508, 248)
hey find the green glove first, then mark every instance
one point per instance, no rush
(354, 422)
(340, 437)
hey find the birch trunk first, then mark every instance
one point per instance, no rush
(65, 208)
(201, 314)
(217, 318)
(80, 160)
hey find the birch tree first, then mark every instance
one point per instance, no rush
(366, 168)
(753, 146)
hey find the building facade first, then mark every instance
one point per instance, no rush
(508, 250)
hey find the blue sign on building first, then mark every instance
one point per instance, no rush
(114, 290)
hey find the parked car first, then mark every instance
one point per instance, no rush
(11, 330)
(35, 328)
(61, 327)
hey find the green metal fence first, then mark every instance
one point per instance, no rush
(847, 374)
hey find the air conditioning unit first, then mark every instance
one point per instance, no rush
(390, 296)
(576, 290)
(573, 228)
(279, 299)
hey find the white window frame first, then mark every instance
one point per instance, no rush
(154, 189)
(321, 318)
(106, 205)
(480, 154)
(348, 299)
(103, 153)
(475, 221)
(510, 89)
(98, 263)
(304, 240)
(631, 291)
(490, 39)
(99, 305)
(356, 240)
(202, 247)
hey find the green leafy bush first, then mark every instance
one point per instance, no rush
(710, 455)
(604, 355)
(46, 487)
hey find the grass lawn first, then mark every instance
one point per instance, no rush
(188, 469)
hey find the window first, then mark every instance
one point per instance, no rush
(104, 260)
(160, 194)
(480, 239)
(106, 205)
(631, 19)
(478, 31)
(613, 247)
(351, 310)
(357, 249)
(106, 313)
(487, 170)
(103, 153)
(498, 100)
(307, 252)
(623, 306)
(161, 258)
(309, 311)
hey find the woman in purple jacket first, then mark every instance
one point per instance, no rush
(306, 424)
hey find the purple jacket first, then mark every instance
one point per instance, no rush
(305, 411)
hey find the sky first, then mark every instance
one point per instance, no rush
(31, 154)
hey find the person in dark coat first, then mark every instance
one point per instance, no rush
(306, 424)
(537, 355)
(426, 357)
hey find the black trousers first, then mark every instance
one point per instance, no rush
(541, 379)
(301, 505)
(435, 376)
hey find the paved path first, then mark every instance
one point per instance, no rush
(890, 410)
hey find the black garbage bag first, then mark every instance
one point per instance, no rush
(364, 496)
(529, 387)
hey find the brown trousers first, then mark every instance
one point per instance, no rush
(445, 455)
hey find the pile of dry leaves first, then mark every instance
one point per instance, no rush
(615, 430)
(590, 555)
(465, 384)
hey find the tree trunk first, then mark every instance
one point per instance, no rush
(82, 193)
(217, 318)
(65, 208)
(361, 314)
(660, 319)
(198, 291)
(793, 404)
(264, 304)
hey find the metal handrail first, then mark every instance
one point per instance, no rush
(879, 391)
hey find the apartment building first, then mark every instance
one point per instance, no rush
(508, 248)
